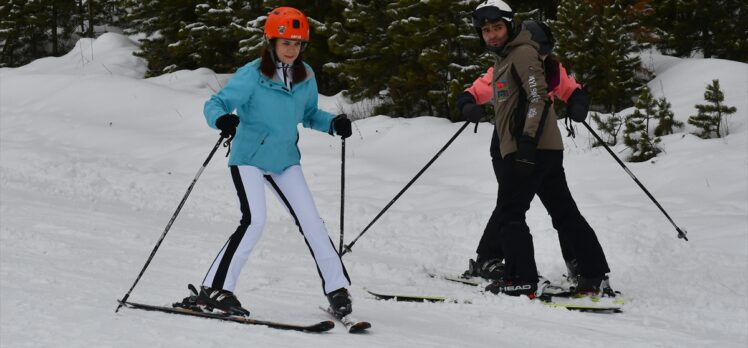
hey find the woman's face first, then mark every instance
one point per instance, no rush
(287, 50)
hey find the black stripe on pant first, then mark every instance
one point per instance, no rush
(236, 238)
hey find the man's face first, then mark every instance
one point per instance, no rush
(495, 34)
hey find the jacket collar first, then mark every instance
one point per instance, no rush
(523, 38)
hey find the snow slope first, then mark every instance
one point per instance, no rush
(94, 159)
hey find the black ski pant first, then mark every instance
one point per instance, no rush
(507, 235)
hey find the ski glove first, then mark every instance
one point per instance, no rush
(342, 126)
(227, 124)
(473, 112)
(578, 105)
(524, 158)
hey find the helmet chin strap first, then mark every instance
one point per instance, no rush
(279, 65)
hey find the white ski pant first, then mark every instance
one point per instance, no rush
(291, 190)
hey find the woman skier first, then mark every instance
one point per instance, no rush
(271, 96)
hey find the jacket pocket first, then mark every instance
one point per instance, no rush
(250, 146)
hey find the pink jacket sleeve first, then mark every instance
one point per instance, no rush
(566, 85)
(481, 88)
(482, 91)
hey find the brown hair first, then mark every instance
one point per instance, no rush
(551, 66)
(268, 65)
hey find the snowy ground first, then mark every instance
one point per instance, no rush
(94, 160)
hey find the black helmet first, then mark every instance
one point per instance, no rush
(490, 11)
(541, 34)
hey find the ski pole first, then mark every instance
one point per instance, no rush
(349, 246)
(171, 221)
(681, 233)
(342, 193)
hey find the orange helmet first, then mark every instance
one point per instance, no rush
(286, 23)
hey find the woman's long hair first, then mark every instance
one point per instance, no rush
(552, 71)
(268, 65)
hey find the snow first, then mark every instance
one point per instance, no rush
(94, 160)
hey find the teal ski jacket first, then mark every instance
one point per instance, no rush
(269, 114)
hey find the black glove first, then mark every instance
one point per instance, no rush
(227, 124)
(524, 158)
(342, 126)
(578, 105)
(473, 112)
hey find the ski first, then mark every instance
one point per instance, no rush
(472, 281)
(572, 303)
(352, 324)
(318, 327)
(584, 303)
(549, 288)
(408, 298)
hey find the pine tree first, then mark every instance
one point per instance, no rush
(212, 40)
(414, 57)
(717, 28)
(160, 21)
(34, 29)
(361, 37)
(636, 134)
(666, 118)
(429, 33)
(543, 10)
(609, 126)
(711, 117)
(574, 44)
(91, 14)
(598, 43)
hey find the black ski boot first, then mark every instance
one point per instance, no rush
(340, 302)
(490, 269)
(595, 286)
(222, 300)
(514, 287)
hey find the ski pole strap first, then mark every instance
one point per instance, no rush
(681, 233)
(349, 246)
(227, 143)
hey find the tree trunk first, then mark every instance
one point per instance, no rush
(55, 38)
(90, 32)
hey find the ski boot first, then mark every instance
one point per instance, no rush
(595, 286)
(223, 300)
(489, 269)
(340, 302)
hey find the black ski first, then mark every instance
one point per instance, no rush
(352, 324)
(318, 327)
